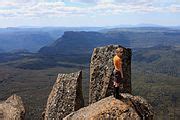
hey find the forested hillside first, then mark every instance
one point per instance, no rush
(155, 75)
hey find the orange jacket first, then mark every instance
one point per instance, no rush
(117, 63)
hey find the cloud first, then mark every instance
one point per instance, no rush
(60, 8)
(175, 8)
(83, 1)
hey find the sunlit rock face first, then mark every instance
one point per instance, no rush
(12, 108)
(109, 108)
(65, 97)
(101, 72)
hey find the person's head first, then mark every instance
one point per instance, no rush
(119, 51)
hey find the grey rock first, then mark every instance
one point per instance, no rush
(107, 108)
(65, 97)
(142, 107)
(101, 72)
(12, 108)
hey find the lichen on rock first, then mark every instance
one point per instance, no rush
(65, 97)
(113, 109)
(12, 108)
(101, 72)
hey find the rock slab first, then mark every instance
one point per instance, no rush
(12, 108)
(65, 97)
(110, 108)
(101, 72)
(142, 107)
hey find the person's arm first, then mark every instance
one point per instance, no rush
(121, 72)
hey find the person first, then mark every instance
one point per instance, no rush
(118, 72)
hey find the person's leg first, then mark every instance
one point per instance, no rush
(116, 84)
(114, 91)
(117, 92)
(120, 91)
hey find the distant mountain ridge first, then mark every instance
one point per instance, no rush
(1, 50)
(79, 44)
(33, 39)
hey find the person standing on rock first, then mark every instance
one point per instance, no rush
(118, 72)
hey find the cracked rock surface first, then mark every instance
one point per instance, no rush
(65, 97)
(101, 72)
(111, 108)
(12, 108)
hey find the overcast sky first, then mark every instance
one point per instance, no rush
(88, 12)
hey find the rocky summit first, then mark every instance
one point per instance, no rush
(101, 72)
(109, 108)
(102, 104)
(12, 109)
(65, 97)
(138, 103)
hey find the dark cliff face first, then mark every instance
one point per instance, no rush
(65, 97)
(80, 44)
(12, 109)
(74, 43)
(101, 72)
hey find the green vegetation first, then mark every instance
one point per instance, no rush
(155, 76)
(33, 86)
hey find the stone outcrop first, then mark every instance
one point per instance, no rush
(66, 100)
(142, 107)
(101, 72)
(110, 108)
(12, 109)
(65, 97)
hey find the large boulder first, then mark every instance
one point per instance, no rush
(101, 72)
(65, 97)
(12, 108)
(142, 107)
(110, 108)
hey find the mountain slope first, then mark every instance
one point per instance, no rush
(143, 37)
(1, 50)
(33, 39)
(155, 75)
(80, 45)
